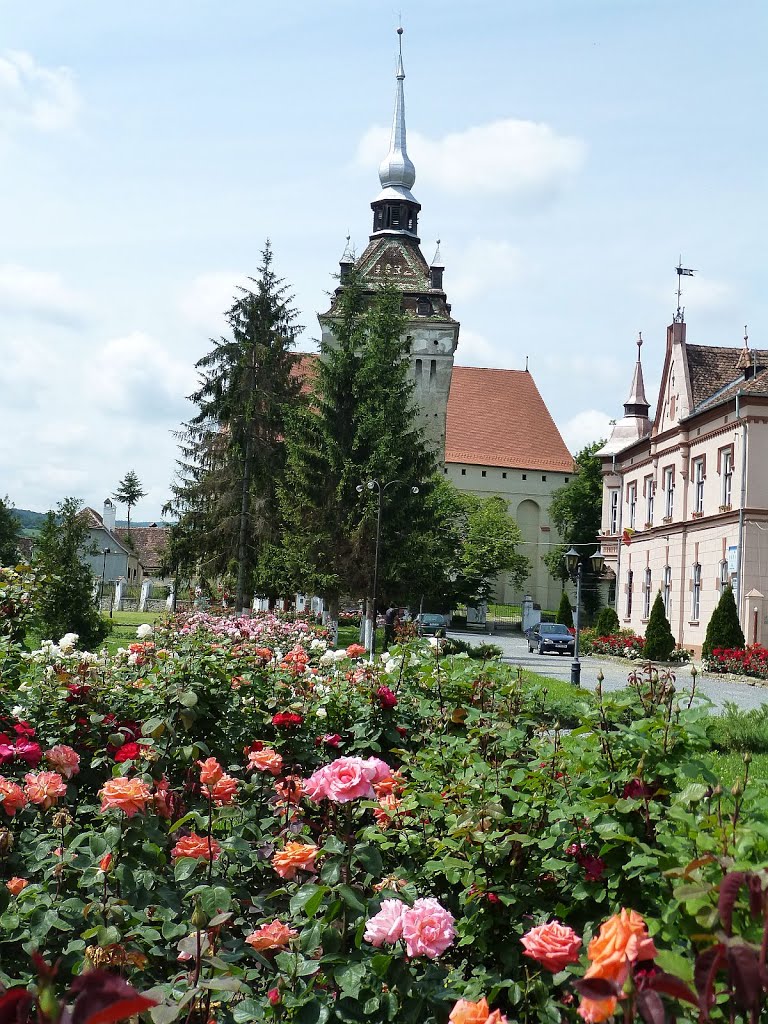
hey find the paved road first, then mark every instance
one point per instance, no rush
(557, 666)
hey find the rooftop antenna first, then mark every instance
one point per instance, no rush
(681, 273)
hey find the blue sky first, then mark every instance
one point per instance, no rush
(566, 152)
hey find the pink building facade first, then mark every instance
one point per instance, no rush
(685, 495)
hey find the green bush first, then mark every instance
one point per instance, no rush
(723, 629)
(659, 642)
(741, 731)
(564, 613)
(607, 623)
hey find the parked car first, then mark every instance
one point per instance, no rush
(431, 624)
(551, 636)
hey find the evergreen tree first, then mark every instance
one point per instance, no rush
(233, 449)
(659, 642)
(607, 622)
(564, 612)
(10, 531)
(66, 603)
(358, 426)
(724, 628)
(129, 492)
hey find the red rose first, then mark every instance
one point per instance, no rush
(387, 699)
(28, 752)
(128, 752)
(286, 720)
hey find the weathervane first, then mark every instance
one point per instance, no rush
(681, 273)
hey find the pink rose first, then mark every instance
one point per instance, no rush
(348, 778)
(64, 760)
(377, 770)
(387, 925)
(553, 945)
(30, 753)
(44, 789)
(316, 786)
(427, 929)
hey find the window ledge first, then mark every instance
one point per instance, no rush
(725, 508)
(696, 515)
(648, 526)
(667, 519)
(693, 622)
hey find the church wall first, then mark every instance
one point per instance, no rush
(528, 493)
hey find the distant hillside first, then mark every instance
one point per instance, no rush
(31, 522)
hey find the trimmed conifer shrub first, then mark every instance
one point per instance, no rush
(607, 623)
(564, 613)
(724, 628)
(659, 642)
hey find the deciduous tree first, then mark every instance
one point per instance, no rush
(129, 492)
(10, 531)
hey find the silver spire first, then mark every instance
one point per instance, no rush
(637, 389)
(396, 170)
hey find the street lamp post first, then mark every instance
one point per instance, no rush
(572, 561)
(380, 488)
(105, 552)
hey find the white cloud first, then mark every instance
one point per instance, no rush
(41, 295)
(584, 428)
(32, 96)
(510, 157)
(483, 266)
(134, 375)
(204, 302)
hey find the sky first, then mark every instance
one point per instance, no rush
(567, 153)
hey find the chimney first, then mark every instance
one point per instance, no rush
(109, 515)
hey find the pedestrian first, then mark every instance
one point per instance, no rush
(389, 625)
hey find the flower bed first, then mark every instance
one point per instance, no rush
(624, 644)
(258, 831)
(744, 661)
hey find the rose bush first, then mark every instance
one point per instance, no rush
(283, 843)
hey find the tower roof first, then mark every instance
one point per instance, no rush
(396, 171)
(637, 404)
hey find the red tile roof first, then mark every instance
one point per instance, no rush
(498, 418)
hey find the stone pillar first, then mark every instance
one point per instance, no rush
(146, 589)
(119, 591)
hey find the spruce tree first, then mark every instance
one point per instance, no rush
(66, 603)
(129, 492)
(659, 642)
(358, 426)
(724, 628)
(607, 622)
(233, 449)
(564, 612)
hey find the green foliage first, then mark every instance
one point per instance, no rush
(723, 629)
(359, 426)
(575, 510)
(129, 492)
(607, 622)
(10, 533)
(65, 604)
(564, 613)
(489, 548)
(741, 731)
(233, 449)
(659, 642)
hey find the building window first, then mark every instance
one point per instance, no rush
(630, 574)
(432, 370)
(724, 577)
(504, 476)
(698, 486)
(445, 469)
(667, 590)
(463, 472)
(567, 479)
(614, 519)
(418, 369)
(696, 592)
(650, 494)
(632, 502)
(525, 476)
(543, 479)
(482, 471)
(669, 492)
(647, 594)
(726, 473)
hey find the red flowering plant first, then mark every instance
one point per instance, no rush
(742, 661)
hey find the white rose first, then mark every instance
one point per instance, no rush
(328, 658)
(144, 630)
(321, 713)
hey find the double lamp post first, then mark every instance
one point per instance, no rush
(573, 564)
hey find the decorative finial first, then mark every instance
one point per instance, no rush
(746, 337)
(639, 344)
(436, 259)
(396, 169)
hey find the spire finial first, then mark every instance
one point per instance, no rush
(681, 273)
(639, 344)
(396, 169)
(746, 337)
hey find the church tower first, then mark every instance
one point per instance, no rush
(393, 256)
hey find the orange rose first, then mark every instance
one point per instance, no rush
(44, 789)
(289, 789)
(12, 797)
(595, 1011)
(223, 791)
(128, 795)
(197, 847)
(294, 857)
(467, 1012)
(553, 945)
(265, 760)
(622, 939)
(210, 771)
(15, 885)
(271, 936)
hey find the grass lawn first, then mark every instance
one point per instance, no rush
(730, 767)
(124, 628)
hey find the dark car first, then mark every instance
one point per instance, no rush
(551, 636)
(431, 624)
